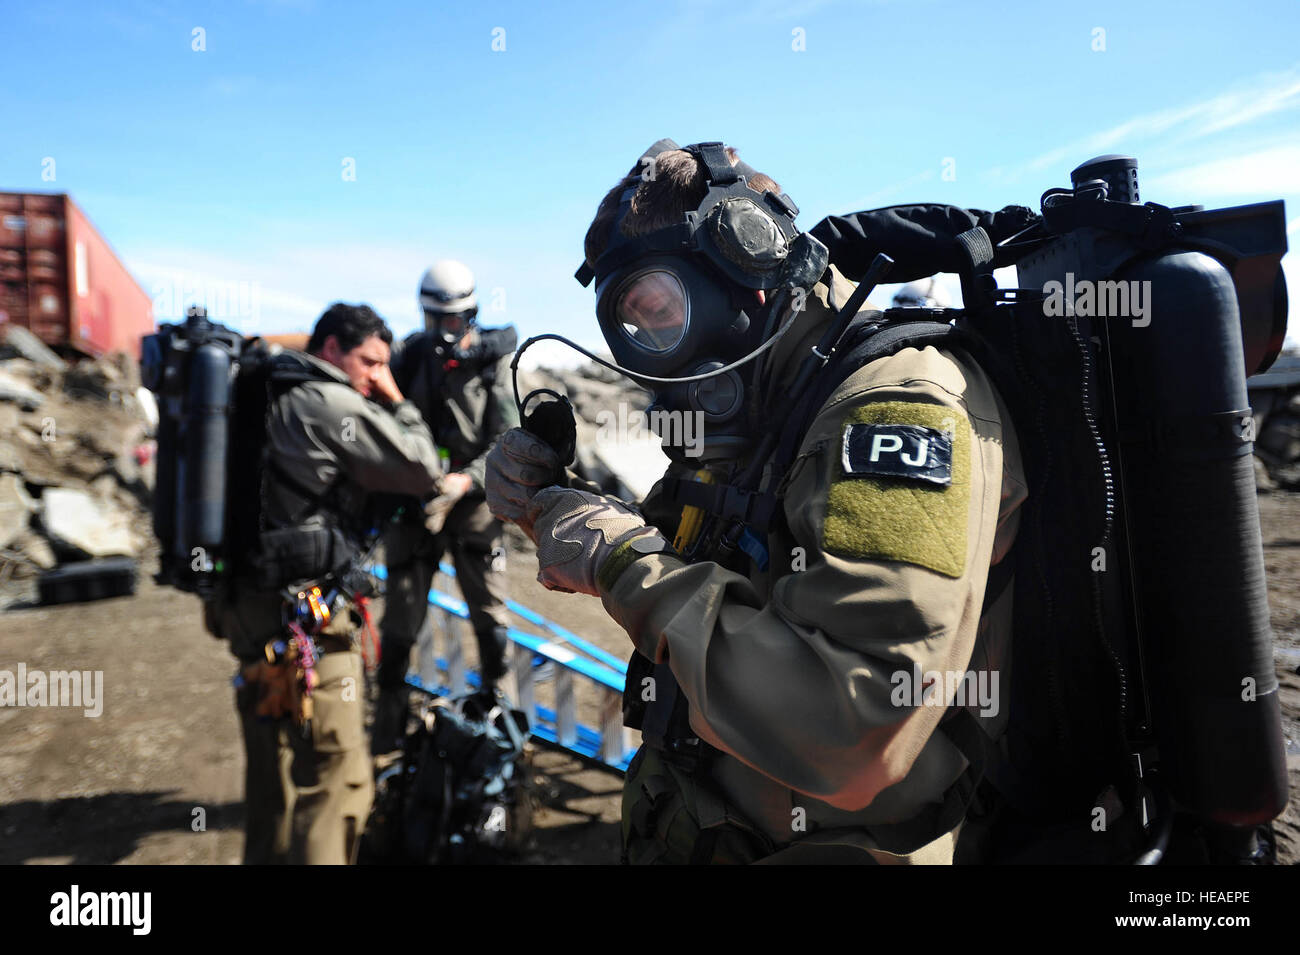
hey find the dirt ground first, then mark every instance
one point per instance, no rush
(157, 778)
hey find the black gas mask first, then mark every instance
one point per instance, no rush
(448, 328)
(683, 301)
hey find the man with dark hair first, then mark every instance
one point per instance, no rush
(338, 430)
(850, 555)
(350, 325)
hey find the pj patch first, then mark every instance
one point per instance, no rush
(905, 451)
(901, 487)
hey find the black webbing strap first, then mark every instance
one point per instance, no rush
(1151, 225)
(977, 282)
(714, 156)
(724, 500)
(624, 250)
(978, 249)
(865, 341)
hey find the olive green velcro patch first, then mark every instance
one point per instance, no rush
(896, 518)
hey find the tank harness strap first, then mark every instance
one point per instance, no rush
(866, 340)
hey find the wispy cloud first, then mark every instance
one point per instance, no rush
(1250, 101)
(1276, 169)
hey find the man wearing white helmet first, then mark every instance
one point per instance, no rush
(458, 375)
(924, 293)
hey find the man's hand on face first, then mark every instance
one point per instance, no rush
(366, 366)
(518, 466)
(384, 387)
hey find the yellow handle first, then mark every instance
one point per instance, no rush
(692, 517)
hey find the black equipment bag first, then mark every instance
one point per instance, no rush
(458, 792)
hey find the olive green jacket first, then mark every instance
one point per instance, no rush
(326, 433)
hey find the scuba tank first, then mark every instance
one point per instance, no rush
(1178, 307)
(192, 369)
(214, 389)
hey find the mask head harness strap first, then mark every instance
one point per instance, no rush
(751, 239)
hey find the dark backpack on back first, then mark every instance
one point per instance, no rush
(214, 392)
(1069, 731)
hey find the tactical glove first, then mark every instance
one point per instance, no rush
(518, 466)
(437, 509)
(579, 534)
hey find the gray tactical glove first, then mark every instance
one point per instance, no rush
(585, 539)
(518, 466)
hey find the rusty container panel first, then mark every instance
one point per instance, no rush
(61, 279)
(110, 310)
(46, 227)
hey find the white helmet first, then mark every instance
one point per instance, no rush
(926, 293)
(447, 286)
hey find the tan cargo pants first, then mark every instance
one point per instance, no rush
(306, 794)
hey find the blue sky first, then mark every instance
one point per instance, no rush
(222, 169)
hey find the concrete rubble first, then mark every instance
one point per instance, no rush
(76, 471)
(72, 436)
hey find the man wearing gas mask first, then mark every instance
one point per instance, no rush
(772, 651)
(458, 375)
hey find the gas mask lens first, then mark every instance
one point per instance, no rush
(451, 326)
(651, 308)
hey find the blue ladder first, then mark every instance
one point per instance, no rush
(611, 744)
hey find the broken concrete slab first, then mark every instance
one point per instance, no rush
(19, 341)
(79, 525)
(11, 389)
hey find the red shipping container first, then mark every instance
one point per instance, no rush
(61, 279)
